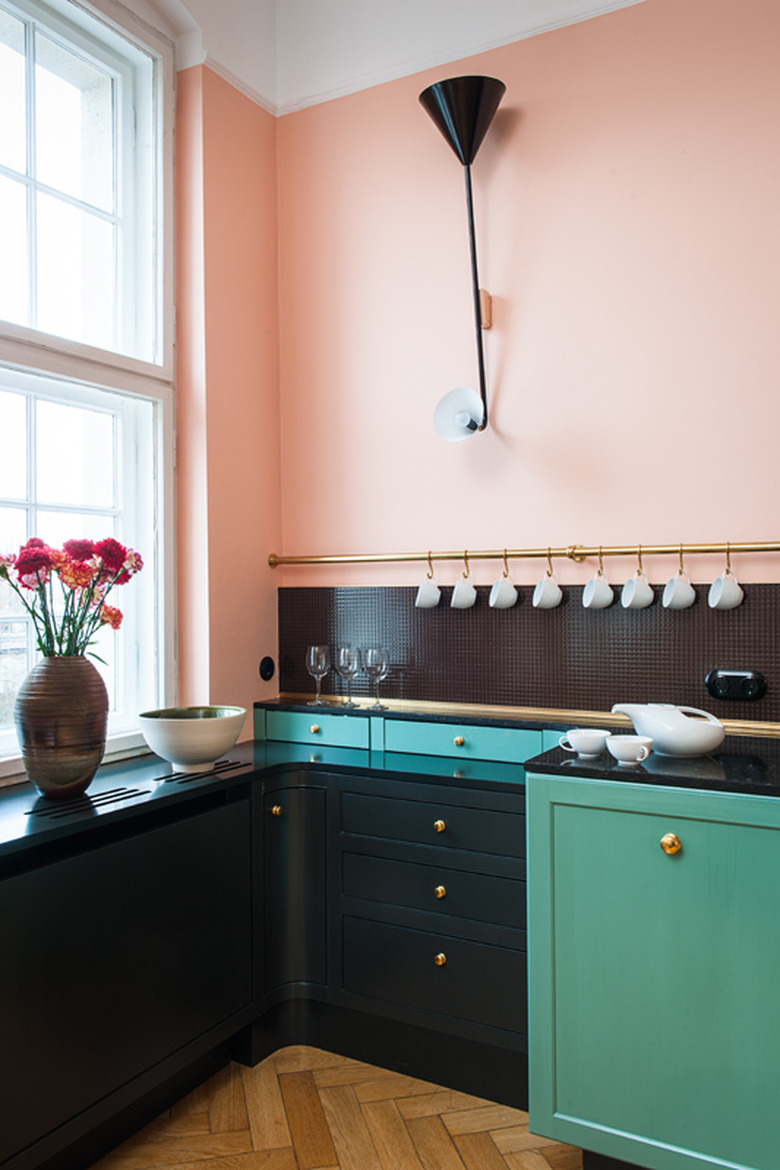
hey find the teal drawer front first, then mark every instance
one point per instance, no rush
(508, 744)
(317, 728)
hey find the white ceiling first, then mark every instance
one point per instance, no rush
(288, 54)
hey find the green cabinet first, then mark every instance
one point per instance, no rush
(654, 1014)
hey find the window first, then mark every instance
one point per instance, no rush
(86, 390)
(76, 182)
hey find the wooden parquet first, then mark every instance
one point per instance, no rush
(305, 1109)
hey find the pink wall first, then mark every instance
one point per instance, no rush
(626, 202)
(228, 415)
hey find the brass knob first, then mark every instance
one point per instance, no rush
(440, 891)
(276, 811)
(671, 843)
(459, 741)
(314, 729)
(439, 826)
(440, 959)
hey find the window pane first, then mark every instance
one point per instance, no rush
(13, 534)
(13, 150)
(75, 273)
(75, 463)
(57, 527)
(13, 464)
(74, 125)
(13, 666)
(13, 249)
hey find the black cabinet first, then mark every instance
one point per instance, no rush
(292, 901)
(427, 904)
(116, 956)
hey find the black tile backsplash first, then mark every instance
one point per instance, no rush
(569, 657)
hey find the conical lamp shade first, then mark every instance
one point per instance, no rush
(463, 108)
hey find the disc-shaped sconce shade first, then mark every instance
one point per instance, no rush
(463, 108)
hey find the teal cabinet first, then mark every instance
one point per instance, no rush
(654, 1015)
(318, 728)
(509, 745)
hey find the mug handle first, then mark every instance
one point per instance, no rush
(644, 752)
(564, 743)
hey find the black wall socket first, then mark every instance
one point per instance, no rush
(736, 684)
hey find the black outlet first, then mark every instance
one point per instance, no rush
(736, 684)
(267, 668)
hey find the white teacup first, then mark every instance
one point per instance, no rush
(597, 593)
(725, 592)
(629, 749)
(587, 742)
(678, 591)
(503, 595)
(637, 593)
(429, 594)
(547, 593)
(464, 594)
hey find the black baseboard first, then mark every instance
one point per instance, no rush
(591, 1161)
(482, 1070)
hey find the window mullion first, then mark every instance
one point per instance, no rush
(32, 221)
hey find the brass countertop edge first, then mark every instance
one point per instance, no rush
(742, 727)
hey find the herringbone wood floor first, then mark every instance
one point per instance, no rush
(304, 1109)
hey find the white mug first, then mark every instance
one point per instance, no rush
(429, 594)
(503, 595)
(597, 593)
(547, 593)
(629, 749)
(464, 594)
(637, 593)
(587, 742)
(678, 591)
(725, 592)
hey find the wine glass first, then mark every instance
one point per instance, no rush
(318, 665)
(376, 667)
(347, 665)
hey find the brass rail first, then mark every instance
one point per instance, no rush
(572, 552)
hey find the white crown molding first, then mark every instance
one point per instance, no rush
(226, 75)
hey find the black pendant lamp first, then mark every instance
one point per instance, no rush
(463, 108)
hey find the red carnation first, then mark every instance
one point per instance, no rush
(79, 550)
(33, 559)
(112, 553)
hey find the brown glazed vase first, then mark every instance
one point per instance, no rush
(61, 713)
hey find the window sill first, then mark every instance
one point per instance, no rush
(120, 747)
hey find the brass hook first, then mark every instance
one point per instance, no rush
(601, 562)
(682, 563)
(639, 558)
(728, 557)
(466, 563)
(506, 565)
(430, 566)
(549, 562)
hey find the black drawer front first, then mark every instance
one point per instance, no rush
(434, 823)
(474, 896)
(483, 984)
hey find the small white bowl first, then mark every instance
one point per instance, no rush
(192, 738)
(629, 749)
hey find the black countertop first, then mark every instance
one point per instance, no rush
(742, 764)
(123, 791)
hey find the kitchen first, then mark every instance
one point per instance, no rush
(627, 233)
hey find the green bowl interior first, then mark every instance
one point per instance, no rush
(193, 713)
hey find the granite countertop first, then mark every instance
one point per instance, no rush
(742, 764)
(124, 790)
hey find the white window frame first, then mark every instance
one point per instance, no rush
(32, 352)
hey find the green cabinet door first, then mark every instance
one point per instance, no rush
(653, 1001)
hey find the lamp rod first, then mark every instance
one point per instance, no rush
(477, 304)
(572, 552)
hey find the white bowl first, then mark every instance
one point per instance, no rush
(192, 738)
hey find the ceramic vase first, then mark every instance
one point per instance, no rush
(61, 714)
